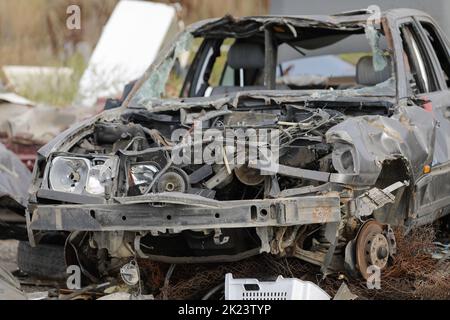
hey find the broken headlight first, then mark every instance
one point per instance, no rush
(142, 175)
(81, 175)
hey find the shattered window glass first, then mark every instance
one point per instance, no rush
(167, 74)
(354, 62)
(378, 56)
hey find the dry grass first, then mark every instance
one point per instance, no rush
(34, 32)
(193, 281)
(413, 274)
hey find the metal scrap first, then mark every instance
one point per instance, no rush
(376, 198)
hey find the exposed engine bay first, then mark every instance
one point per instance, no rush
(131, 160)
(146, 153)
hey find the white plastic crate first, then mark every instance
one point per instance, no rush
(280, 289)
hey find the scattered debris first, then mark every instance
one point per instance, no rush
(280, 289)
(12, 98)
(40, 295)
(441, 252)
(9, 286)
(25, 126)
(126, 296)
(117, 296)
(376, 198)
(86, 290)
(35, 79)
(344, 293)
(130, 273)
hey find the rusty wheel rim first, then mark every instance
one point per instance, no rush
(372, 248)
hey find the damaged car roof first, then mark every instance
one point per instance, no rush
(344, 20)
(306, 32)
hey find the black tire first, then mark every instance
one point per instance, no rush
(43, 261)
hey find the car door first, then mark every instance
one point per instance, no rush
(439, 52)
(428, 83)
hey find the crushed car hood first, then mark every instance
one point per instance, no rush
(371, 139)
(268, 96)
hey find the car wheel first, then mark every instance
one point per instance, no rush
(372, 248)
(43, 261)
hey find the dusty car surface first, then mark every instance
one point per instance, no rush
(349, 152)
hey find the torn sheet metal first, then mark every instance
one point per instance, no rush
(10, 286)
(248, 26)
(376, 198)
(344, 293)
(362, 144)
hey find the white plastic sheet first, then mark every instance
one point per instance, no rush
(129, 43)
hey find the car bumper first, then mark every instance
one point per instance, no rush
(162, 214)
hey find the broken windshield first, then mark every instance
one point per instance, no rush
(345, 63)
(164, 75)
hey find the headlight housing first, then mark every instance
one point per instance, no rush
(141, 176)
(344, 159)
(81, 175)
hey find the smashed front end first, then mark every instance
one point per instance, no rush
(181, 196)
(119, 179)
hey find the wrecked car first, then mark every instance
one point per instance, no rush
(339, 157)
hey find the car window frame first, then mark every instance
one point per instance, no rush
(444, 42)
(200, 68)
(404, 87)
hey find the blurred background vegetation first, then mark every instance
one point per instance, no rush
(34, 33)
